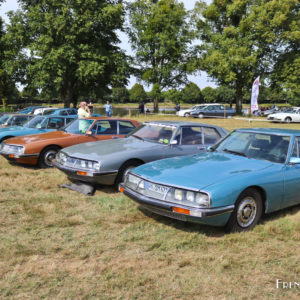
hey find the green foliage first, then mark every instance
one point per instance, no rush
(224, 94)
(137, 93)
(191, 93)
(160, 35)
(120, 95)
(172, 95)
(72, 46)
(209, 94)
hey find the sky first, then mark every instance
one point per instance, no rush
(201, 79)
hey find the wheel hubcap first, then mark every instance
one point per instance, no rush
(49, 157)
(246, 212)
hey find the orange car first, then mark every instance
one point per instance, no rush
(41, 149)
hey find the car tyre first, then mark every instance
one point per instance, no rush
(47, 156)
(201, 116)
(287, 120)
(186, 115)
(125, 169)
(247, 212)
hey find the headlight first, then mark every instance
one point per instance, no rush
(73, 162)
(12, 149)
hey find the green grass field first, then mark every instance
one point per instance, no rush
(58, 244)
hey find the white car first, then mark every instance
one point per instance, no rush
(286, 117)
(42, 110)
(186, 112)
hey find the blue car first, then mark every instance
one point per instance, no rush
(28, 110)
(248, 173)
(38, 124)
(62, 112)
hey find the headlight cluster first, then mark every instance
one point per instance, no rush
(12, 149)
(165, 193)
(77, 163)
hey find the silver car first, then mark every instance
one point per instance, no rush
(107, 162)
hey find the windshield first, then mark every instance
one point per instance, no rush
(4, 118)
(37, 122)
(155, 133)
(79, 126)
(271, 147)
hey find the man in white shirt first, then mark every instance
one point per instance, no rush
(83, 111)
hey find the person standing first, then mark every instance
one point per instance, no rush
(83, 111)
(108, 109)
(177, 107)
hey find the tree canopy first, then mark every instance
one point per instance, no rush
(69, 46)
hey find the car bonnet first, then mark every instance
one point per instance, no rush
(199, 171)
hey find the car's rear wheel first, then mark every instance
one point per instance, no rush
(247, 212)
(201, 116)
(287, 120)
(47, 157)
(186, 114)
(125, 169)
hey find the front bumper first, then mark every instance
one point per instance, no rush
(92, 177)
(29, 159)
(211, 216)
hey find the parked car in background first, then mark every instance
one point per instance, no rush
(61, 112)
(186, 112)
(107, 162)
(28, 110)
(288, 116)
(217, 110)
(38, 124)
(250, 172)
(43, 110)
(12, 119)
(41, 149)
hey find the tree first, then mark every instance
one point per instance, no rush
(209, 94)
(160, 35)
(224, 94)
(191, 93)
(69, 46)
(172, 95)
(120, 94)
(137, 93)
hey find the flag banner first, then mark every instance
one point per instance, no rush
(254, 95)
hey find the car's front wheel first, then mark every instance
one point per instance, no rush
(47, 157)
(247, 212)
(201, 116)
(287, 120)
(186, 115)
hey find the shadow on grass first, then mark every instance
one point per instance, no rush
(185, 226)
(280, 214)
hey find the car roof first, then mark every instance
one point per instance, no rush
(272, 131)
(180, 123)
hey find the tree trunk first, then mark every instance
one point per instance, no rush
(239, 97)
(155, 104)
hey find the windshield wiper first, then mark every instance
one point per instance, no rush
(234, 152)
(138, 137)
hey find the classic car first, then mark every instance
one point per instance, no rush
(28, 110)
(213, 111)
(14, 119)
(41, 149)
(106, 162)
(186, 112)
(288, 116)
(250, 172)
(38, 124)
(61, 112)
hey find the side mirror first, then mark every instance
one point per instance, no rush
(174, 142)
(294, 161)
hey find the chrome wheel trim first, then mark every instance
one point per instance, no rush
(246, 212)
(201, 116)
(49, 156)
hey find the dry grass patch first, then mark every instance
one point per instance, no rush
(58, 244)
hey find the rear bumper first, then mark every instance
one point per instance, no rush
(211, 216)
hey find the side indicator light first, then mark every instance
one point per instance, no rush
(121, 189)
(81, 173)
(181, 210)
(11, 155)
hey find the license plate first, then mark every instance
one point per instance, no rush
(156, 188)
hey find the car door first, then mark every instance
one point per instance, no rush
(105, 130)
(125, 127)
(292, 179)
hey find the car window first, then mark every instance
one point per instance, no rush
(55, 123)
(79, 126)
(68, 120)
(18, 120)
(211, 135)
(296, 148)
(63, 113)
(108, 127)
(191, 135)
(125, 127)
